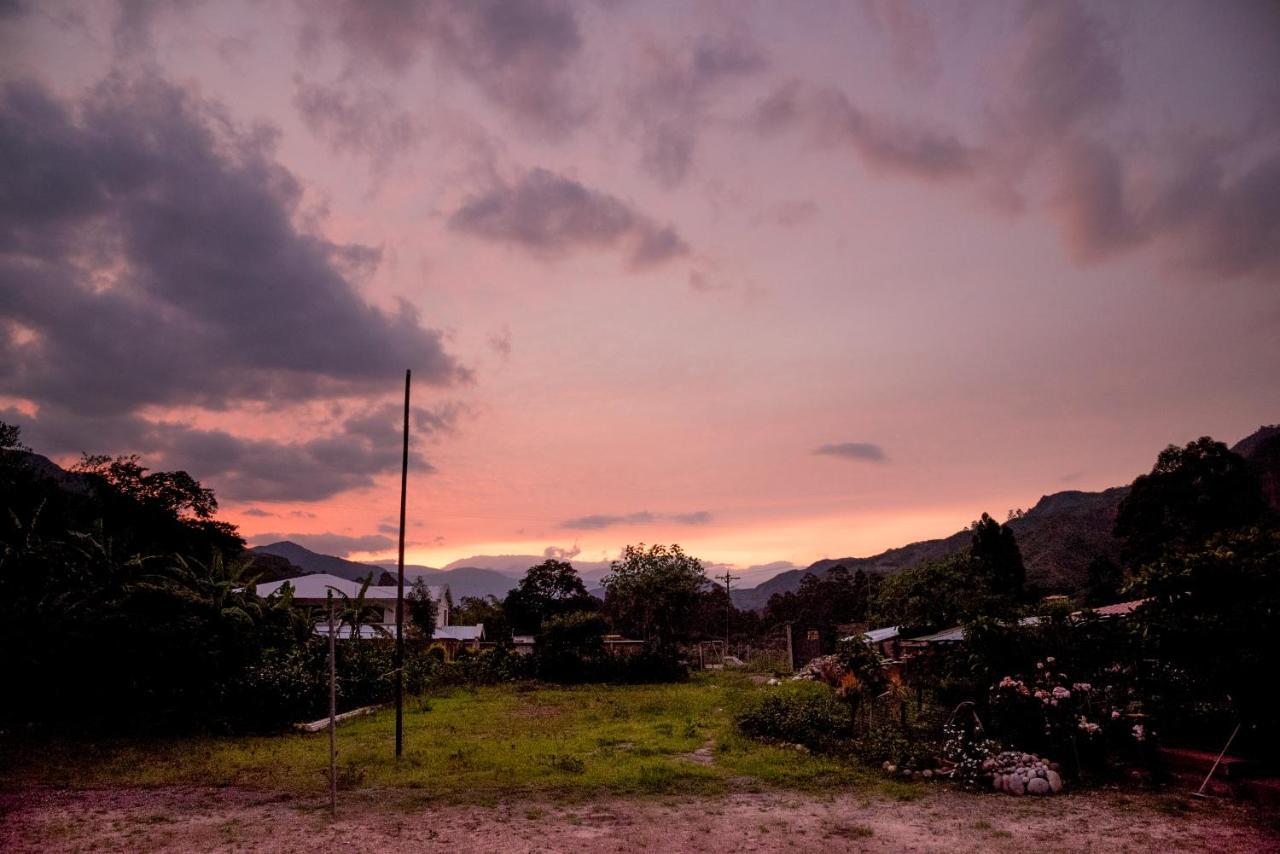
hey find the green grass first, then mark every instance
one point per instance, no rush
(475, 746)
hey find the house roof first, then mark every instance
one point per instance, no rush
(951, 635)
(1119, 609)
(460, 633)
(316, 586)
(882, 634)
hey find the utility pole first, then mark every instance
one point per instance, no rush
(728, 605)
(333, 717)
(404, 485)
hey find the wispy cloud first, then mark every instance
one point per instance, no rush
(643, 517)
(852, 451)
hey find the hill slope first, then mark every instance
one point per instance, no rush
(1059, 536)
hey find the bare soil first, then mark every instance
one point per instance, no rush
(203, 819)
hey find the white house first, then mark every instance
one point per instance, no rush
(312, 590)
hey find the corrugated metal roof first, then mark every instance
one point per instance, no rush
(1119, 609)
(316, 586)
(952, 635)
(882, 634)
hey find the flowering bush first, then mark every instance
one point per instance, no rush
(1049, 712)
(970, 752)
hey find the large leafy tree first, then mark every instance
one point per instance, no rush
(1191, 493)
(551, 588)
(995, 552)
(936, 594)
(123, 602)
(487, 611)
(655, 591)
(1212, 613)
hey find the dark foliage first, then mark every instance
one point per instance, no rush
(1191, 494)
(549, 589)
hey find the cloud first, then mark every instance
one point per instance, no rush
(517, 52)
(643, 517)
(1058, 73)
(256, 511)
(500, 343)
(912, 41)
(852, 451)
(354, 119)
(550, 215)
(668, 104)
(150, 250)
(149, 257)
(330, 544)
(886, 145)
(557, 553)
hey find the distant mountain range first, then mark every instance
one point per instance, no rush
(1058, 537)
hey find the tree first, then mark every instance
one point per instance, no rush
(1212, 613)
(422, 609)
(995, 552)
(655, 591)
(1191, 494)
(550, 588)
(486, 611)
(1105, 578)
(11, 437)
(936, 594)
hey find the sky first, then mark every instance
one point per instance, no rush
(774, 281)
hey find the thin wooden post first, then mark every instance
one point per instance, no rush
(791, 655)
(333, 717)
(404, 484)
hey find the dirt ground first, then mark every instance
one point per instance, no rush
(196, 819)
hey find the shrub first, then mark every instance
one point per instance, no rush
(798, 713)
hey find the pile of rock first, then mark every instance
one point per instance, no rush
(1023, 774)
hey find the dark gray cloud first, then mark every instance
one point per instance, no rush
(148, 250)
(667, 105)
(1208, 221)
(358, 119)
(330, 544)
(518, 52)
(550, 215)
(558, 553)
(1059, 74)
(256, 512)
(643, 517)
(852, 451)
(886, 145)
(149, 257)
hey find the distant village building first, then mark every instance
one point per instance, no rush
(312, 591)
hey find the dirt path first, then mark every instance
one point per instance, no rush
(943, 821)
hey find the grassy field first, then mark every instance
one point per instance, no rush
(477, 746)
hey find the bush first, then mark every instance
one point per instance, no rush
(798, 713)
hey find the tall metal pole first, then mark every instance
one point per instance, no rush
(333, 717)
(404, 485)
(728, 607)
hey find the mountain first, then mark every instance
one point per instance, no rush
(515, 566)
(1058, 537)
(312, 562)
(463, 581)
(1262, 450)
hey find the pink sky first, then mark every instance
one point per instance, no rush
(645, 259)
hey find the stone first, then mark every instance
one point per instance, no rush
(927, 774)
(1038, 786)
(1016, 786)
(1055, 781)
(891, 769)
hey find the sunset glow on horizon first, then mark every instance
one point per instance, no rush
(774, 282)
